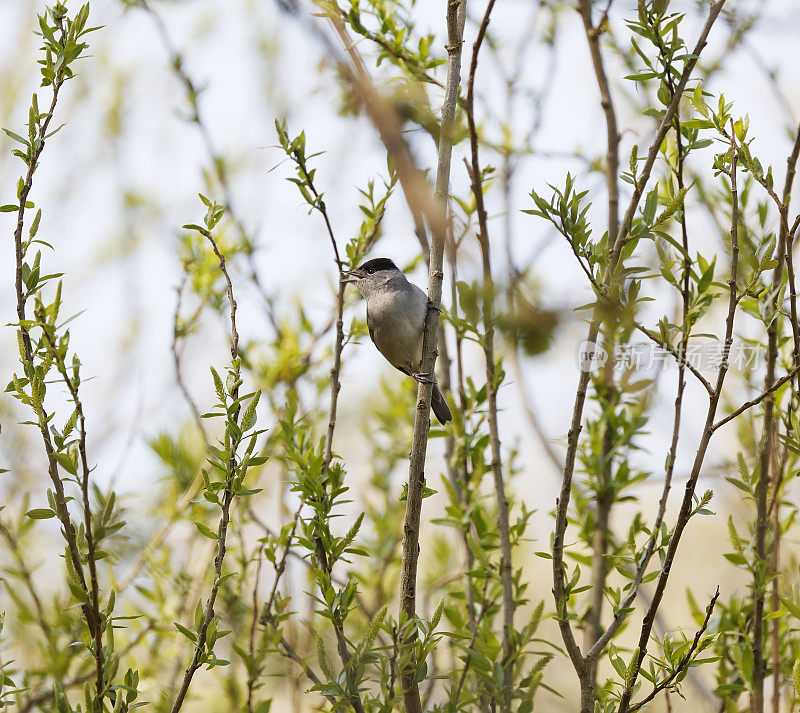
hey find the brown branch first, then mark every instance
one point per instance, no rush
(320, 207)
(459, 474)
(641, 569)
(662, 627)
(227, 498)
(612, 155)
(506, 572)
(605, 497)
(252, 677)
(758, 399)
(91, 611)
(573, 650)
(686, 505)
(43, 696)
(788, 240)
(265, 615)
(438, 222)
(767, 445)
(321, 555)
(91, 545)
(685, 661)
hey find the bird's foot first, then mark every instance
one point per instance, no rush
(423, 378)
(434, 307)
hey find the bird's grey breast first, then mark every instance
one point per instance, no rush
(396, 317)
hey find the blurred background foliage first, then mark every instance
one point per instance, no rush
(178, 98)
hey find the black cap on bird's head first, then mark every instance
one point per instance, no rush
(371, 267)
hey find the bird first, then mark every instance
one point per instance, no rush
(396, 310)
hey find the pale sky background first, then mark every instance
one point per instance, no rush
(121, 264)
(117, 266)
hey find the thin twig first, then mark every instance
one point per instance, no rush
(604, 500)
(685, 661)
(36, 700)
(506, 571)
(321, 555)
(227, 498)
(90, 610)
(758, 399)
(91, 545)
(686, 505)
(559, 583)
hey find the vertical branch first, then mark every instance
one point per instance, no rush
(227, 497)
(708, 431)
(296, 149)
(57, 62)
(573, 435)
(297, 153)
(506, 574)
(456, 11)
(458, 474)
(462, 471)
(612, 131)
(787, 238)
(766, 460)
(91, 544)
(791, 169)
(605, 498)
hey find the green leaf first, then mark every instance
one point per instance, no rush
(736, 558)
(225, 577)
(206, 531)
(40, 514)
(17, 137)
(67, 463)
(188, 634)
(193, 226)
(697, 124)
(793, 608)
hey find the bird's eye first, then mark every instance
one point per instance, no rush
(370, 270)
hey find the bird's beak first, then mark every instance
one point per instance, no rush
(349, 276)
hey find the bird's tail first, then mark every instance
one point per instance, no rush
(440, 407)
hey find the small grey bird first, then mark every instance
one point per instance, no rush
(396, 312)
